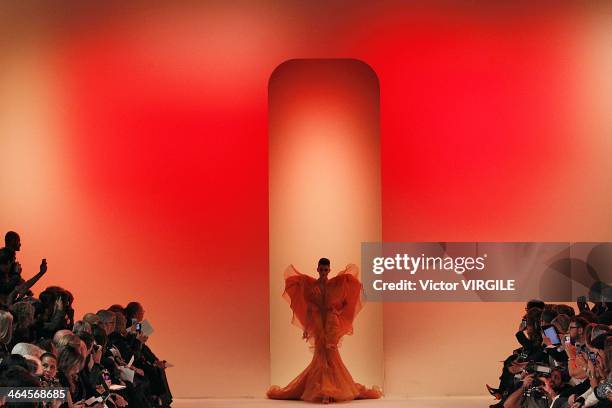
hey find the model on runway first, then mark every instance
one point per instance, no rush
(325, 310)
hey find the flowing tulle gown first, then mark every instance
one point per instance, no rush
(325, 315)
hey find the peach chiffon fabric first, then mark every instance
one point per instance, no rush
(325, 316)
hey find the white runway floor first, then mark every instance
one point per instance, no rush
(447, 402)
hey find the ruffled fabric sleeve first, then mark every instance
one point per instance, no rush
(297, 286)
(345, 294)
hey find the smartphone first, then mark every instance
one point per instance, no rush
(523, 324)
(138, 327)
(551, 333)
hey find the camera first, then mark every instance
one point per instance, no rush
(535, 389)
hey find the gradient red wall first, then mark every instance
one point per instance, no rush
(134, 154)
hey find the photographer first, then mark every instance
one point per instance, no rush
(528, 335)
(540, 387)
(146, 360)
(529, 393)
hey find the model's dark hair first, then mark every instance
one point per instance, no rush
(324, 261)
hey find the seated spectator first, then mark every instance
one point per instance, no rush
(6, 332)
(65, 338)
(107, 320)
(86, 356)
(49, 365)
(153, 367)
(23, 323)
(57, 313)
(69, 363)
(81, 326)
(91, 318)
(561, 323)
(134, 312)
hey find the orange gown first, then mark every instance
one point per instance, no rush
(325, 314)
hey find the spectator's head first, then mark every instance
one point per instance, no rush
(597, 336)
(49, 365)
(88, 340)
(134, 311)
(535, 303)
(121, 323)
(561, 323)
(117, 309)
(91, 318)
(558, 379)
(6, 327)
(566, 310)
(547, 317)
(70, 361)
(81, 326)
(63, 338)
(108, 320)
(577, 329)
(12, 241)
(27, 349)
(99, 335)
(323, 267)
(47, 345)
(24, 314)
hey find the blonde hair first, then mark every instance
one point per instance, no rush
(6, 327)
